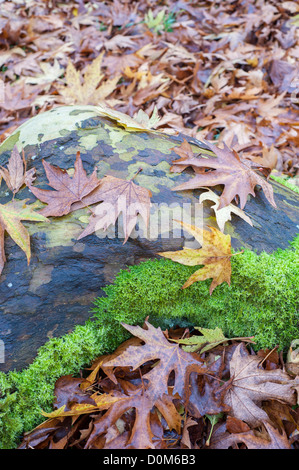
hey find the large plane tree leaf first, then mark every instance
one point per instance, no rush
(215, 255)
(238, 176)
(68, 190)
(118, 196)
(170, 357)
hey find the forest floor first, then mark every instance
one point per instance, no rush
(224, 71)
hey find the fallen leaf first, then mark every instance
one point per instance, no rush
(272, 439)
(15, 175)
(251, 385)
(210, 339)
(292, 363)
(171, 358)
(11, 215)
(117, 196)
(224, 214)
(215, 254)
(138, 123)
(68, 190)
(91, 91)
(237, 175)
(269, 158)
(50, 73)
(141, 436)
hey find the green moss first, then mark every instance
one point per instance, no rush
(285, 181)
(262, 302)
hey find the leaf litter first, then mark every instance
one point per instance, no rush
(151, 394)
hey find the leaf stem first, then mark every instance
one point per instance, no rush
(137, 172)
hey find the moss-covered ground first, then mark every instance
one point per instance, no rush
(262, 301)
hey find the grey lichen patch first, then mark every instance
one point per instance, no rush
(143, 143)
(41, 275)
(48, 126)
(88, 142)
(153, 176)
(74, 149)
(57, 233)
(127, 156)
(103, 168)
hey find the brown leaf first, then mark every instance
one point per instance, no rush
(235, 425)
(118, 196)
(15, 175)
(141, 436)
(271, 439)
(251, 385)
(171, 358)
(68, 393)
(269, 158)
(67, 190)
(238, 177)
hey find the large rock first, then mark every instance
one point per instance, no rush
(55, 292)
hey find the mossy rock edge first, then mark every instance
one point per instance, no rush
(262, 302)
(54, 292)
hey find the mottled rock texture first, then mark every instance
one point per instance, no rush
(55, 291)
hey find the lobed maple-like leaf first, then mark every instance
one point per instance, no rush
(91, 91)
(271, 439)
(224, 214)
(188, 158)
(141, 436)
(215, 254)
(68, 190)
(11, 215)
(117, 196)
(251, 384)
(139, 122)
(15, 175)
(228, 169)
(171, 358)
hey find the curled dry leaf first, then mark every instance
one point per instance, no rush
(16, 175)
(222, 215)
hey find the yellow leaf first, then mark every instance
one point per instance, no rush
(215, 255)
(137, 123)
(11, 215)
(103, 402)
(90, 89)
